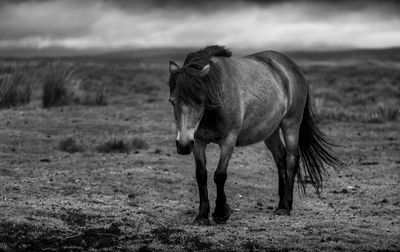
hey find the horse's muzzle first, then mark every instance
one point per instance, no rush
(184, 147)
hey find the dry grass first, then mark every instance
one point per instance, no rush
(122, 145)
(317, 107)
(389, 110)
(14, 90)
(62, 87)
(97, 97)
(113, 145)
(147, 201)
(70, 145)
(139, 143)
(146, 84)
(55, 87)
(354, 93)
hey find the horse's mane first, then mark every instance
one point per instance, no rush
(192, 88)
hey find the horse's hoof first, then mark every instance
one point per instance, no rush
(222, 219)
(280, 211)
(201, 221)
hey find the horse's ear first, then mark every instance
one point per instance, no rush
(205, 70)
(173, 67)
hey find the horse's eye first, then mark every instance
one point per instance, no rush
(171, 101)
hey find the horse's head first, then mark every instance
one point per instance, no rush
(188, 101)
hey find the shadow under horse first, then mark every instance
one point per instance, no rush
(241, 101)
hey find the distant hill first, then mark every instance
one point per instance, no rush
(52, 52)
(390, 54)
(162, 55)
(158, 55)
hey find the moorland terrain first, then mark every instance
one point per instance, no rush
(100, 171)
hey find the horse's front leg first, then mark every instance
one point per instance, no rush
(222, 209)
(201, 177)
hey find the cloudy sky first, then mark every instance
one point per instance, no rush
(121, 24)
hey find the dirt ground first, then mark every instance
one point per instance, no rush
(146, 199)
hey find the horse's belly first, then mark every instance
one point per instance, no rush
(256, 134)
(260, 122)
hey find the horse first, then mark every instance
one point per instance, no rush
(231, 101)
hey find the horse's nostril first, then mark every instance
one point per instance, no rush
(185, 147)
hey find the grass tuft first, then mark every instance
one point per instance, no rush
(121, 145)
(61, 88)
(14, 90)
(385, 112)
(90, 92)
(55, 91)
(113, 145)
(69, 145)
(317, 107)
(94, 98)
(389, 110)
(139, 143)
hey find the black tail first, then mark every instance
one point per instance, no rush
(314, 149)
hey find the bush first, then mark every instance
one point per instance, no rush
(55, 91)
(14, 90)
(113, 146)
(69, 145)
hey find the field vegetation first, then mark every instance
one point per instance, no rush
(107, 177)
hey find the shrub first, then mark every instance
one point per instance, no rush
(55, 91)
(113, 146)
(69, 145)
(14, 90)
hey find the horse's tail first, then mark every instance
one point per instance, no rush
(314, 149)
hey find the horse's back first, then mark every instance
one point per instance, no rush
(254, 98)
(265, 85)
(293, 79)
(285, 66)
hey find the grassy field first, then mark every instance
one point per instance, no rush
(107, 177)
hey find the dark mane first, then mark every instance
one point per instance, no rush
(202, 57)
(188, 85)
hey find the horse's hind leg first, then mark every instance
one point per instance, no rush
(201, 177)
(291, 136)
(278, 151)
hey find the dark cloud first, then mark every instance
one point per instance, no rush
(210, 4)
(155, 23)
(52, 19)
(342, 4)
